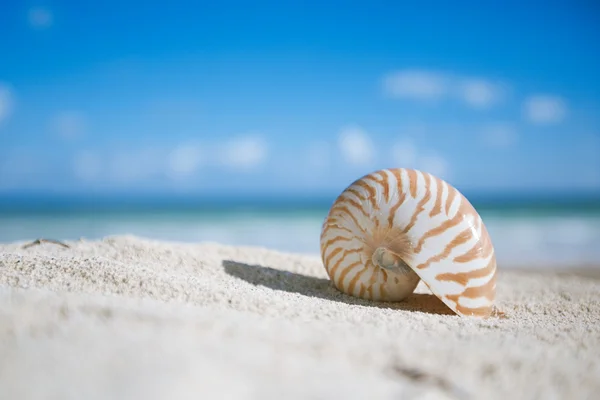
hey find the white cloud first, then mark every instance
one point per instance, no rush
(479, 93)
(69, 124)
(435, 164)
(87, 166)
(404, 154)
(153, 163)
(6, 102)
(244, 152)
(545, 109)
(355, 145)
(40, 18)
(499, 135)
(136, 164)
(184, 160)
(417, 84)
(427, 85)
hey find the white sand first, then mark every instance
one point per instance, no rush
(126, 318)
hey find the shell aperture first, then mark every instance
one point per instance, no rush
(394, 227)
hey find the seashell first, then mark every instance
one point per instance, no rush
(394, 227)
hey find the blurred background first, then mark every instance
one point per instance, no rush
(240, 122)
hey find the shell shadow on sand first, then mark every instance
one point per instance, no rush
(322, 288)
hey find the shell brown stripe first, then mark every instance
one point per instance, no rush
(335, 220)
(372, 281)
(343, 209)
(394, 209)
(486, 290)
(372, 193)
(437, 208)
(478, 225)
(331, 255)
(385, 274)
(420, 206)
(484, 311)
(334, 225)
(399, 201)
(342, 259)
(461, 238)
(462, 278)
(346, 271)
(362, 289)
(382, 292)
(386, 185)
(481, 249)
(337, 239)
(412, 179)
(357, 205)
(369, 292)
(450, 199)
(383, 181)
(438, 230)
(354, 280)
(366, 292)
(358, 194)
(398, 175)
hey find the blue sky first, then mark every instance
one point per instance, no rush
(297, 97)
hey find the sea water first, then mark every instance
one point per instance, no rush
(523, 236)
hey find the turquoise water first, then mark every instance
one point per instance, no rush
(532, 235)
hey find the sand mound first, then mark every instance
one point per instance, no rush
(129, 318)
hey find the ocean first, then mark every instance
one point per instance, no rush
(530, 234)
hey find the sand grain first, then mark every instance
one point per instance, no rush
(128, 318)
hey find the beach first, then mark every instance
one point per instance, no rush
(126, 317)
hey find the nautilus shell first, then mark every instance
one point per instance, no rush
(392, 228)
